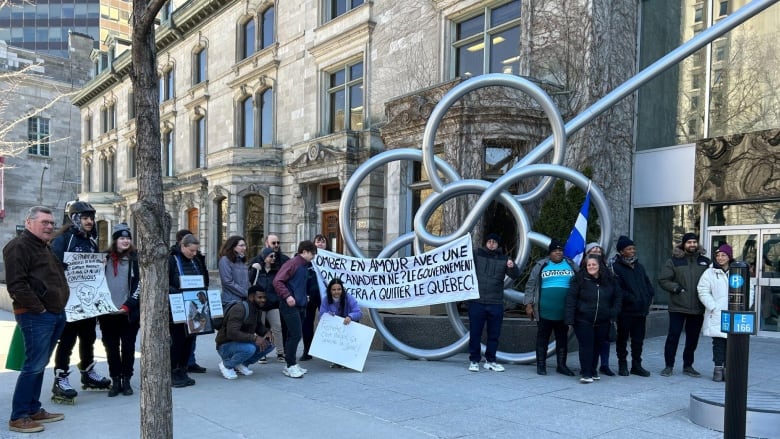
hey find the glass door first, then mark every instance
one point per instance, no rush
(760, 249)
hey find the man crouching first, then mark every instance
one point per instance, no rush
(242, 340)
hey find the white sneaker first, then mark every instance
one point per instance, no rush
(302, 369)
(493, 366)
(243, 370)
(229, 374)
(586, 380)
(293, 371)
(474, 367)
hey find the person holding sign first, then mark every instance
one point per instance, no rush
(290, 285)
(491, 266)
(39, 291)
(713, 289)
(120, 329)
(340, 303)
(184, 268)
(241, 339)
(78, 237)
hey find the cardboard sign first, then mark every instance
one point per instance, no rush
(346, 345)
(89, 293)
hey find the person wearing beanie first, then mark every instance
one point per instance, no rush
(713, 292)
(545, 300)
(262, 273)
(638, 294)
(492, 266)
(120, 330)
(80, 236)
(680, 277)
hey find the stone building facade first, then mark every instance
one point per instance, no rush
(268, 107)
(40, 135)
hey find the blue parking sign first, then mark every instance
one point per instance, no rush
(736, 281)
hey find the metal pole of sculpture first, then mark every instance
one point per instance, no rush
(496, 191)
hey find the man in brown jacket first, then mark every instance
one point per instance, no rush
(37, 285)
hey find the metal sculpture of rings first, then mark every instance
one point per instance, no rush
(452, 185)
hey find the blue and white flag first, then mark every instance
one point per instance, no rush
(575, 246)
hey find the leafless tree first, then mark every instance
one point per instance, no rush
(155, 223)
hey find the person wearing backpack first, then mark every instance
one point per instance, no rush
(242, 340)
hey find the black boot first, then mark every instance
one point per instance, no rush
(637, 369)
(561, 353)
(179, 378)
(541, 359)
(126, 389)
(116, 386)
(623, 368)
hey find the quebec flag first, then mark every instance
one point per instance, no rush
(575, 246)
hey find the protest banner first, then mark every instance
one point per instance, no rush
(89, 294)
(443, 275)
(346, 345)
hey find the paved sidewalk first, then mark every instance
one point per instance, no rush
(399, 398)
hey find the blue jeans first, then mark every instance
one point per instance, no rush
(293, 318)
(479, 314)
(40, 332)
(234, 353)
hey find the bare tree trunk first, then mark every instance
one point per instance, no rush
(154, 229)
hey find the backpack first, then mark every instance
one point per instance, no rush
(217, 322)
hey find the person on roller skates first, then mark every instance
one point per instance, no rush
(80, 237)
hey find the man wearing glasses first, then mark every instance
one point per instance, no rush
(39, 290)
(272, 242)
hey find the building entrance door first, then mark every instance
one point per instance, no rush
(759, 247)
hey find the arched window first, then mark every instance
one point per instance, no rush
(247, 129)
(199, 66)
(247, 39)
(254, 224)
(267, 37)
(221, 218)
(267, 118)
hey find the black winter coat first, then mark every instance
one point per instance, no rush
(592, 300)
(635, 287)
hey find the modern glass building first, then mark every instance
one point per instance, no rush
(43, 26)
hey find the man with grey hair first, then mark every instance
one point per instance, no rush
(37, 285)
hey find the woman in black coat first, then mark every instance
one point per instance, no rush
(593, 300)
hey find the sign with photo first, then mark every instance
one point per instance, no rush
(196, 308)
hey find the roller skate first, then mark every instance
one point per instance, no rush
(91, 380)
(62, 392)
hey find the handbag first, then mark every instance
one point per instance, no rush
(612, 336)
(15, 358)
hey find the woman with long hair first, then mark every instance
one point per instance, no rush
(232, 270)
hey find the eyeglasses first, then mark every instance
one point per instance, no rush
(47, 223)
(275, 243)
(272, 256)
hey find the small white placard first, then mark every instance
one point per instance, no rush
(342, 344)
(190, 282)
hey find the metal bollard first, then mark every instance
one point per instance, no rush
(740, 326)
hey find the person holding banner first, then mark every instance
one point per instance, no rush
(340, 303)
(78, 237)
(315, 300)
(183, 264)
(491, 266)
(39, 291)
(545, 298)
(120, 329)
(290, 284)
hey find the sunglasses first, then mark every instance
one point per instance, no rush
(271, 256)
(275, 243)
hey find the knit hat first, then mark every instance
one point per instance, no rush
(494, 237)
(121, 230)
(266, 251)
(554, 245)
(687, 237)
(725, 248)
(623, 242)
(591, 246)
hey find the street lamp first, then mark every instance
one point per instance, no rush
(40, 188)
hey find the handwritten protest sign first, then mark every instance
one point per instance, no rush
(342, 344)
(89, 294)
(443, 275)
(196, 308)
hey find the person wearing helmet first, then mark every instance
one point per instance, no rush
(79, 237)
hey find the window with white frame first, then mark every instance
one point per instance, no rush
(38, 136)
(246, 39)
(199, 142)
(488, 42)
(345, 99)
(246, 120)
(167, 87)
(267, 33)
(199, 66)
(335, 8)
(167, 154)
